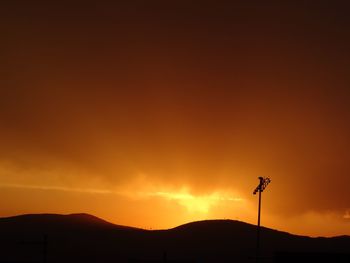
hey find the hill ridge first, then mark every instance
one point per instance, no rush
(82, 237)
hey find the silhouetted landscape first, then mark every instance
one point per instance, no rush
(85, 238)
(159, 113)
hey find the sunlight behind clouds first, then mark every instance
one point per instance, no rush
(194, 203)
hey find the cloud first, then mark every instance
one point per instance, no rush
(92, 103)
(312, 223)
(183, 197)
(59, 188)
(201, 204)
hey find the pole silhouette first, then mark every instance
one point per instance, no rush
(259, 189)
(39, 243)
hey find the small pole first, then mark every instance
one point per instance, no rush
(45, 249)
(258, 231)
(260, 188)
(43, 244)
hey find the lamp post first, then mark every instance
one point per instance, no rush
(264, 181)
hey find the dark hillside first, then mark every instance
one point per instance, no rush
(85, 238)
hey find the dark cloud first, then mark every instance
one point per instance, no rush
(209, 95)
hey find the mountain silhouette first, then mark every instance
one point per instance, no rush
(86, 238)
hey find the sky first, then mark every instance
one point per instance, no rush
(154, 114)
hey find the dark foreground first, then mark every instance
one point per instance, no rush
(84, 238)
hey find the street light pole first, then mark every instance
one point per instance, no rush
(260, 188)
(258, 230)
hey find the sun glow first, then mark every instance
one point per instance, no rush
(195, 203)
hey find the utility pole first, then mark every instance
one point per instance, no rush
(259, 189)
(39, 243)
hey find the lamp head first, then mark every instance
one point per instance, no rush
(262, 185)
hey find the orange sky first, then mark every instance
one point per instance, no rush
(153, 115)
